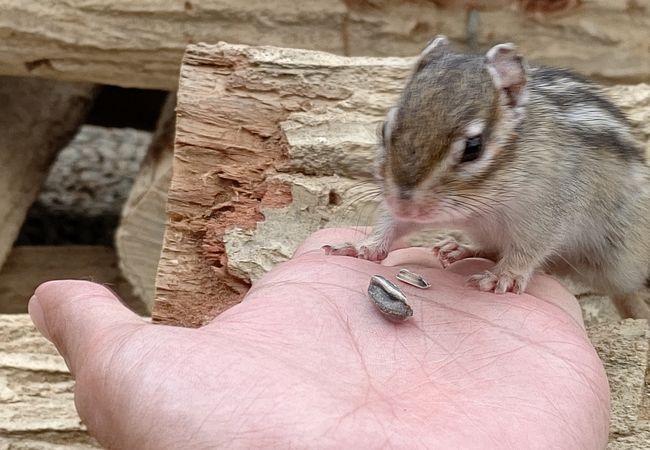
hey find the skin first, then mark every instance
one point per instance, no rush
(307, 361)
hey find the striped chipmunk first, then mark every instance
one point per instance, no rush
(538, 168)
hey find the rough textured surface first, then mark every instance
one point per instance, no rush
(36, 392)
(253, 252)
(94, 172)
(636, 441)
(140, 43)
(37, 119)
(598, 31)
(597, 309)
(29, 266)
(271, 145)
(233, 103)
(623, 347)
(88, 183)
(139, 237)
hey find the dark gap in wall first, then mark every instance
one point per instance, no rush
(118, 107)
(43, 227)
(115, 107)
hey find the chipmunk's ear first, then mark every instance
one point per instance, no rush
(437, 47)
(508, 72)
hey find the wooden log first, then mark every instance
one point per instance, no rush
(140, 43)
(29, 266)
(240, 116)
(36, 392)
(272, 144)
(139, 237)
(37, 119)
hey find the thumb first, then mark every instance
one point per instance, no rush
(76, 315)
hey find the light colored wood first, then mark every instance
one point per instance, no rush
(138, 238)
(140, 42)
(36, 392)
(272, 144)
(29, 266)
(244, 113)
(37, 119)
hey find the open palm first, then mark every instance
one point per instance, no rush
(306, 361)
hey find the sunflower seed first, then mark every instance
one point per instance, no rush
(413, 279)
(389, 299)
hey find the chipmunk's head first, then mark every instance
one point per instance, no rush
(443, 138)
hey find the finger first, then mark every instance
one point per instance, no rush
(74, 315)
(543, 287)
(330, 236)
(418, 256)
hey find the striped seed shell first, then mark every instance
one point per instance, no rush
(389, 299)
(412, 278)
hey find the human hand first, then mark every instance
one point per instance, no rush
(307, 361)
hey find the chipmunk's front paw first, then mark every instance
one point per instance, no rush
(449, 250)
(346, 249)
(499, 283)
(360, 250)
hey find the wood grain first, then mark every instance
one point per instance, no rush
(139, 236)
(140, 43)
(36, 392)
(37, 119)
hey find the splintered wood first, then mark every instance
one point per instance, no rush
(268, 142)
(272, 144)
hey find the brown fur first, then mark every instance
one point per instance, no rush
(560, 184)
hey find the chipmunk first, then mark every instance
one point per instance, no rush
(534, 164)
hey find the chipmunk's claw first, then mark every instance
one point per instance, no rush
(346, 249)
(449, 250)
(361, 251)
(500, 283)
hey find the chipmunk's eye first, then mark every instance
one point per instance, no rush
(472, 150)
